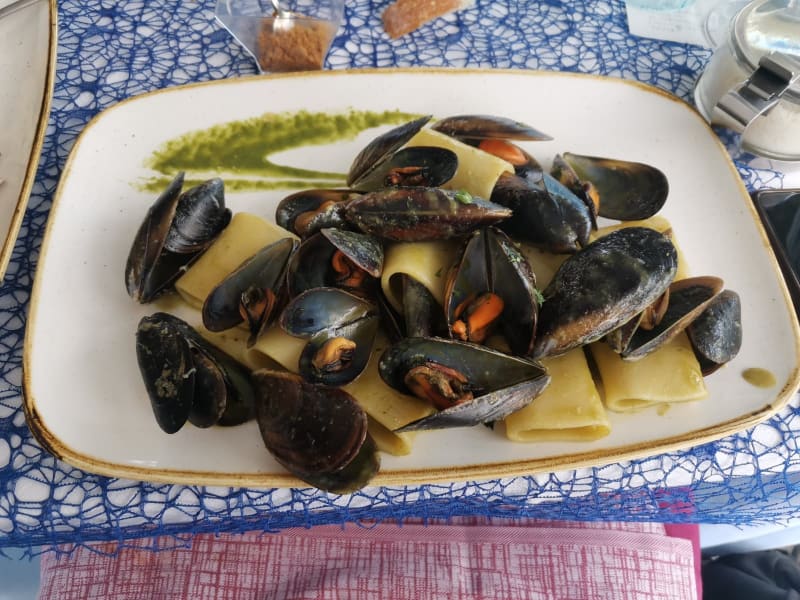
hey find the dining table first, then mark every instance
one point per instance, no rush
(109, 51)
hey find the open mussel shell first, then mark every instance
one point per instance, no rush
(500, 383)
(480, 127)
(602, 286)
(188, 378)
(382, 147)
(418, 214)
(566, 175)
(335, 258)
(716, 335)
(304, 213)
(687, 299)
(491, 263)
(545, 214)
(419, 166)
(628, 191)
(317, 433)
(341, 328)
(252, 292)
(178, 227)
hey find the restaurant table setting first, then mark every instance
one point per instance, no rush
(741, 469)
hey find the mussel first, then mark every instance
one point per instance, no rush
(602, 286)
(381, 149)
(470, 384)
(187, 378)
(492, 288)
(716, 335)
(546, 214)
(341, 328)
(253, 293)
(623, 190)
(417, 214)
(687, 299)
(336, 258)
(317, 433)
(482, 127)
(178, 228)
(305, 213)
(418, 166)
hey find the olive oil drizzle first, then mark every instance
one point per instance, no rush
(758, 377)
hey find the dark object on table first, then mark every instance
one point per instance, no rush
(769, 575)
(780, 212)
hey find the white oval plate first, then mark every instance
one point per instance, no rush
(83, 394)
(27, 64)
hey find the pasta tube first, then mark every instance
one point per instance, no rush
(477, 170)
(569, 409)
(387, 408)
(245, 235)
(670, 374)
(426, 262)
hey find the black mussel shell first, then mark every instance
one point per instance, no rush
(480, 127)
(167, 369)
(628, 191)
(304, 213)
(199, 216)
(500, 383)
(421, 311)
(319, 434)
(312, 265)
(566, 175)
(603, 286)
(417, 214)
(338, 318)
(716, 335)
(262, 274)
(687, 299)
(619, 338)
(547, 215)
(382, 147)
(177, 229)
(418, 166)
(186, 377)
(490, 262)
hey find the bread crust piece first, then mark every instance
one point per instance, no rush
(404, 16)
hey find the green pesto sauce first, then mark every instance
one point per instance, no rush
(240, 151)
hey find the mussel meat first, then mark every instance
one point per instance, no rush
(492, 288)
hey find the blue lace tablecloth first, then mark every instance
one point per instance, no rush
(110, 50)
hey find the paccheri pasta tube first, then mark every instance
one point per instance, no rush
(477, 170)
(245, 235)
(569, 409)
(670, 374)
(425, 262)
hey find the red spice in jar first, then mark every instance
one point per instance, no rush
(294, 44)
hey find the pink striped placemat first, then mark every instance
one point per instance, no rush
(464, 560)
